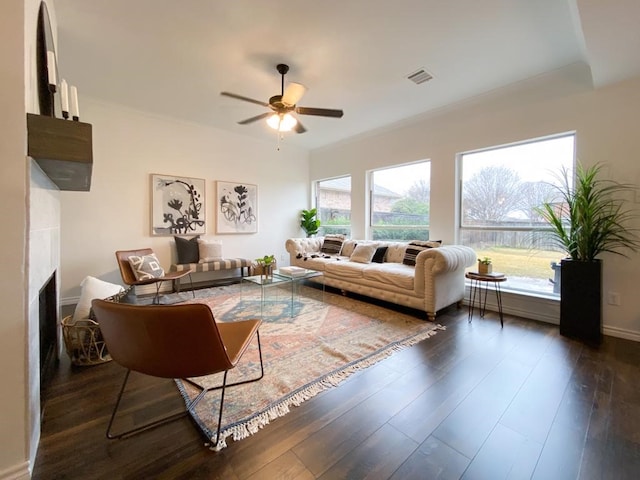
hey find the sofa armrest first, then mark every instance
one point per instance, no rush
(303, 245)
(440, 275)
(448, 258)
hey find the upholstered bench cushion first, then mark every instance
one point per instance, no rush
(216, 265)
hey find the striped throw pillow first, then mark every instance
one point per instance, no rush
(332, 244)
(415, 247)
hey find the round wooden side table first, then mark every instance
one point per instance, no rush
(478, 284)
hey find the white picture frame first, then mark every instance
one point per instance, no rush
(236, 207)
(177, 205)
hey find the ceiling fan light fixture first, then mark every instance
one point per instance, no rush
(283, 122)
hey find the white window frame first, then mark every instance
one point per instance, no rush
(536, 228)
(370, 225)
(324, 227)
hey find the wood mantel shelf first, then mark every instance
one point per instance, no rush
(63, 149)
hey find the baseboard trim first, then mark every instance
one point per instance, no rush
(544, 310)
(16, 472)
(69, 301)
(621, 333)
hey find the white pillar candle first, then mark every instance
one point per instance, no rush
(75, 111)
(51, 67)
(64, 95)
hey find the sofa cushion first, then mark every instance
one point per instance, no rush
(415, 247)
(378, 256)
(344, 269)
(363, 253)
(187, 249)
(316, 261)
(332, 244)
(391, 274)
(146, 267)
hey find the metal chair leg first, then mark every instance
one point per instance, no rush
(146, 426)
(190, 407)
(193, 292)
(224, 386)
(156, 423)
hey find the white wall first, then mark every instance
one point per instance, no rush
(130, 145)
(607, 122)
(20, 393)
(13, 210)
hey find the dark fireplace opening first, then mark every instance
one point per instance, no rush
(48, 333)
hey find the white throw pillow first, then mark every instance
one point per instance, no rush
(363, 253)
(91, 288)
(210, 251)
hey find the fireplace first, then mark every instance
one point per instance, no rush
(48, 325)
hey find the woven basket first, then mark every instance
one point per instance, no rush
(83, 341)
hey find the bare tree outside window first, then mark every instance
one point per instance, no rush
(491, 195)
(500, 190)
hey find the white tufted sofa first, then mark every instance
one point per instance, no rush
(436, 281)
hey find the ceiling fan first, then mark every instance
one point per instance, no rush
(283, 105)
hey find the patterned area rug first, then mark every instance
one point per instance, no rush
(329, 338)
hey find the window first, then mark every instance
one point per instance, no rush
(500, 191)
(399, 207)
(333, 200)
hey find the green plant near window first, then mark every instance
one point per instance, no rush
(591, 218)
(308, 221)
(484, 261)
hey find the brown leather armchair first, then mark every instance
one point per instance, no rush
(174, 341)
(129, 278)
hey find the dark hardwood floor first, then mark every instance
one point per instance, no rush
(474, 402)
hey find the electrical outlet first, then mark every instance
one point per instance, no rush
(613, 298)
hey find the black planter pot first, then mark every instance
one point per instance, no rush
(581, 300)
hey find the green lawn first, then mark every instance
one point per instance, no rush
(521, 262)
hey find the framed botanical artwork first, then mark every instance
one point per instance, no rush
(236, 207)
(177, 205)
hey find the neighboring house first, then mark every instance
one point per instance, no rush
(335, 198)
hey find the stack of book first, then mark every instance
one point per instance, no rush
(292, 271)
(490, 274)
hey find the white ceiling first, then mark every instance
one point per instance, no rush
(175, 57)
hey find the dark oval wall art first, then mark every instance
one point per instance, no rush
(44, 44)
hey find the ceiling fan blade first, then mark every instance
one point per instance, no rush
(299, 128)
(293, 93)
(255, 119)
(321, 112)
(246, 99)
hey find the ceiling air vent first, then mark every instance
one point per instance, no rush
(420, 76)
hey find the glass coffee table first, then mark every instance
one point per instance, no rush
(289, 282)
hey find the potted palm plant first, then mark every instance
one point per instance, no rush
(590, 219)
(309, 223)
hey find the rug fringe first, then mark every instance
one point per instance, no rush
(280, 409)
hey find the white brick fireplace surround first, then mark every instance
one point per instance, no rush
(43, 261)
